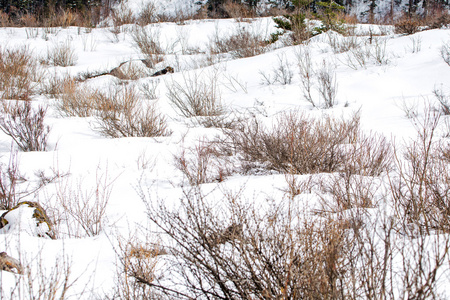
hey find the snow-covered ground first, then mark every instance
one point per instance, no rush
(409, 69)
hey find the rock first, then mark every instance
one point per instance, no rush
(163, 71)
(28, 216)
(8, 263)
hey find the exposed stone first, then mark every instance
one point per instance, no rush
(10, 264)
(163, 71)
(39, 215)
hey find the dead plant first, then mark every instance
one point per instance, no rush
(244, 42)
(136, 268)
(202, 164)
(238, 251)
(295, 143)
(122, 113)
(146, 39)
(25, 125)
(19, 74)
(83, 208)
(197, 94)
(407, 24)
(420, 186)
(62, 54)
(76, 100)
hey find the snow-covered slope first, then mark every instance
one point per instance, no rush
(399, 73)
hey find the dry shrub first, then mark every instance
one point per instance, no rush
(146, 39)
(369, 155)
(19, 73)
(44, 278)
(239, 251)
(317, 77)
(202, 164)
(443, 99)
(122, 113)
(136, 268)
(233, 248)
(420, 185)
(147, 14)
(295, 143)
(244, 42)
(76, 100)
(66, 18)
(445, 52)
(25, 125)
(55, 85)
(437, 18)
(4, 20)
(62, 54)
(407, 24)
(344, 191)
(237, 10)
(81, 207)
(122, 15)
(15, 187)
(197, 95)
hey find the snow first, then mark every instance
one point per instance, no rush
(134, 163)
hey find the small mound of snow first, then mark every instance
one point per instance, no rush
(21, 219)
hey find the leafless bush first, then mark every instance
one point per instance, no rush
(379, 52)
(344, 191)
(25, 125)
(149, 89)
(15, 187)
(234, 248)
(147, 41)
(416, 44)
(341, 44)
(244, 42)
(19, 74)
(10, 181)
(358, 57)
(122, 15)
(55, 85)
(445, 53)
(444, 100)
(295, 144)
(136, 268)
(327, 84)
(407, 24)
(409, 108)
(83, 210)
(437, 18)
(250, 253)
(39, 281)
(420, 186)
(147, 14)
(201, 164)
(76, 100)
(282, 73)
(322, 77)
(307, 74)
(197, 95)
(62, 54)
(123, 114)
(237, 10)
(234, 83)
